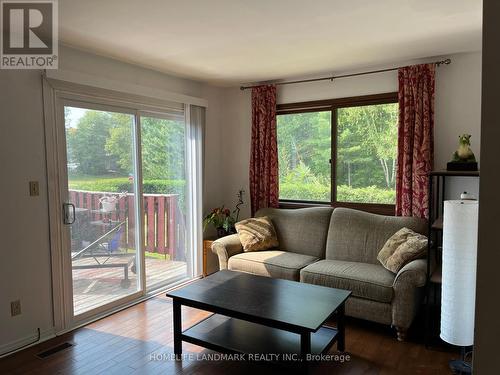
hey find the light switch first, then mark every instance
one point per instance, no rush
(15, 308)
(34, 189)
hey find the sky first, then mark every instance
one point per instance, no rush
(75, 114)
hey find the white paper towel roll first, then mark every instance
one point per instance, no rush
(460, 219)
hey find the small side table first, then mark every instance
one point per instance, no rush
(210, 260)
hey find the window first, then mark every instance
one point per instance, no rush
(304, 149)
(340, 152)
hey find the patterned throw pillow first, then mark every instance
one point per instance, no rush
(257, 234)
(403, 247)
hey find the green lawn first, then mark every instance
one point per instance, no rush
(119, 184)
(84, 178)
(110, 183)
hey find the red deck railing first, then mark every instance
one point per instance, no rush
(160, 217)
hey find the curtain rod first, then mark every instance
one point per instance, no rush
(331, 78)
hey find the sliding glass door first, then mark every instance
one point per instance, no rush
(163, 150)
(126, 192)
(101, 209)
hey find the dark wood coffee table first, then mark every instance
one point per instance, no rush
(256, 314)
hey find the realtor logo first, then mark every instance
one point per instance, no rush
(29, 34)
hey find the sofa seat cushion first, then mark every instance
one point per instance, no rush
(271, 263)
(365, 280)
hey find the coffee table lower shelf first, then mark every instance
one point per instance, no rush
(230, 335)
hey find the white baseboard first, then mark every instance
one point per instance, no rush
(26, 342)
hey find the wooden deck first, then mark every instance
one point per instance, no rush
(97, 286)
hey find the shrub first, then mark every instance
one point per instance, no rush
(122, 184)
(112, 185)
(309, 192)
(164, 186)
(321, 193)
(369, 194)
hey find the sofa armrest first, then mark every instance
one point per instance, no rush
(225, 248)
(408, 294)
(413, 273)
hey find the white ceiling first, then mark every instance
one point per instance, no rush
(228, 42)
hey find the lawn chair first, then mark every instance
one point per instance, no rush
(110, 249)
(112, 246)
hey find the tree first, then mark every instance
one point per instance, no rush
(86, 143)
(350, 154)
(162, 144)
(368, 134)
(102, 141)
(163, 148)
(119, 143)
(305, 138)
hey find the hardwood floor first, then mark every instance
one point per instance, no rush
(139, 340)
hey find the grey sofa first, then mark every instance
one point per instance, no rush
(337, 248)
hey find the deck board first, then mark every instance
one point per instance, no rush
(98, 286)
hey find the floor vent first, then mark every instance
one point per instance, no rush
(55, 349)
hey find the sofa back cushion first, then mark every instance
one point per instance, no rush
(358, 236)
(301, 231)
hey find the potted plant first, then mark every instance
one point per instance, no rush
(222, 220)
(108, 203)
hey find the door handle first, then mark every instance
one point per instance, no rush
(67, 219)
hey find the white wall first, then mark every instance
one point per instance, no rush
(457, 111)
(83, 62)
(25, 265)
(236, 135)
(213, 163)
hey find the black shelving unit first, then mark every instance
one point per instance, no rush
(437, 186)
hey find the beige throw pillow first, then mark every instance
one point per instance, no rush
(403, 247)
(257, 234)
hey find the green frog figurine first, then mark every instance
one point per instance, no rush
(464, 153)
(463, 157)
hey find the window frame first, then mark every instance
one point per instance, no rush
(333, 105)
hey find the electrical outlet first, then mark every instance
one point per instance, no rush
(15, 308)
(34, 189)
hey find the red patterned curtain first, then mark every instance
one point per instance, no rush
(415, 139)
(264, 150)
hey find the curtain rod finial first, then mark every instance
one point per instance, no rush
(445, 62)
